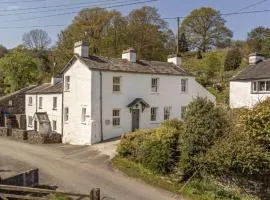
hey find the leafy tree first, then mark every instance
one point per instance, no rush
(19, 70)
(3, 51)
(266, 46)
(183, 45)
(256, 38)
(233, 59)
(205, 29)
(37, 39)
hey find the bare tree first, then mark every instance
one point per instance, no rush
(36, 39)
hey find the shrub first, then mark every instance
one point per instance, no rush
(204, 124)
(233, 59)
(173, 123)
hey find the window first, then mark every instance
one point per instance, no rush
(54, 125)
(167, 113)
(116, 83)
(154, 111)
(54, 103)
(184, 85)
(254, 86)
(116, 117)
(67, 83)
(10, 103)
(83, 116)
(261, 86)
(40, 102)
(154, 84)
(183, 111)
(30, 121)
(66, 114)
(30, 101)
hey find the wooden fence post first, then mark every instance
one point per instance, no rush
(95, 194)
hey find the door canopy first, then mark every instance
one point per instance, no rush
(136, 103)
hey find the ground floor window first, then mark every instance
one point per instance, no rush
(154, 111)
(261, 86)
(54, 125)
(167, 112)
(83, 116)
(30, 121)
(183, 111)
(66, 114)
(116, 117)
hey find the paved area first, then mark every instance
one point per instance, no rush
(76, 169)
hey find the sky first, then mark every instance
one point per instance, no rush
(16, 18)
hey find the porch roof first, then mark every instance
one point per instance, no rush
(138, 101)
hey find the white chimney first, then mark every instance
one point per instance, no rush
(55, 80)
(81, 49)
(254, 58)
(129, 55)
(175, 59)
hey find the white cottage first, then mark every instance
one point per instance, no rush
(43, 107)
(252, 85)
(106, 97)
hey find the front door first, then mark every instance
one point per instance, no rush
(135, 119)
(35, 125)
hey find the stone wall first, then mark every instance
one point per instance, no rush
(39, 138)
(4, 132)
(19, 134)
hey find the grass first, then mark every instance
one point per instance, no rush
(194, 190)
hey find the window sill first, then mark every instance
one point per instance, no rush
(116, 126)
(30, 126)
(266, 92)
(155, 93)
(83, 123)
(55, 109)
(40, 108)
(30, 105)
(117, 93)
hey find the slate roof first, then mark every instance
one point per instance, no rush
(136, 101)
(47, 88)
(21, 91)
(121, 65)
(260, 70)
(42, 117)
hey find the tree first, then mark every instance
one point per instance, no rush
(183, 45)
(37, 39)
(256, 38)
(233, 59)
(19, 70)
(266, 46)
(3, 51)
(205, 29)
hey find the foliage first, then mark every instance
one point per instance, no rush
(3, 51)
(205, 29)
(266, 46)
(58, 197)
(233, 59)
(183, 44)
(173, 123)
(256, 38)
(204, 124)
(37, 39)
(19, 70)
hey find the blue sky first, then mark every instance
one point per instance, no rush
(239, 24)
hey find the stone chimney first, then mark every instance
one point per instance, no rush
(254, 58)
(55, 80)
(175, 59)
(81, 49)
(129, 55)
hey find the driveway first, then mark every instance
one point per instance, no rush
(76, 169)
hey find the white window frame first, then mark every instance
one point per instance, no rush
(167, 112)
(116, 84)
(66, 114)
(40, 102)
(255, 86)
(67, 83)
(153, 114)
(116, 117)
(54, 125)
(83, 115)
(183, 111)
(30, 103)
(30, 119)
(155, 85)
(184, 85)
(10, 103)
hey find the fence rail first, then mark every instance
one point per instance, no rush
(15, 192)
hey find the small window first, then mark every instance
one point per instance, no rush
(116, 117)
(83, 116)
(10, 103)
(184, 83)
(116, 84)
(67, 83)
(40, 102)
(30, 101)
(167, 113)
(54, 125)
(154, 84)
(183, 112)
(66, 116)
(54, 103)
(154, 111)
(30, 121)
(254, 86)
(261, 86)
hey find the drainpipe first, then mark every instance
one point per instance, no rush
(62, 114)
(101, 108)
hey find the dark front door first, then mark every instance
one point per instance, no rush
(35, 125)
(135, 119)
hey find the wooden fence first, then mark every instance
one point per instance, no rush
(8, 192)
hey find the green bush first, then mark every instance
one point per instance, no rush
(204, 124)
(173, 123)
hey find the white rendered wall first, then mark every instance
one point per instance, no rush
(241, 96)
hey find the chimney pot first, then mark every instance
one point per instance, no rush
(254, 58)
(175, 59)
(55, 80)
(81, 49)
(129, 55)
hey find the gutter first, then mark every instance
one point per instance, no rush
(101, 107)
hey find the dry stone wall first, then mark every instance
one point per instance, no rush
(19, 134)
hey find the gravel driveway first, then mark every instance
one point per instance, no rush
(76, 169)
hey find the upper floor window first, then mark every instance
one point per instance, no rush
(116, 84)
(261, 86)
(116, 117)
(167, 112)
(154, 111)
(30, 101)
(83, 116)
(66, 114)
(67, 83)
(184, 85)
(54, 103)
(40, 102)
(154, 84)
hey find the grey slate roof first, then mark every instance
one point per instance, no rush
(260, 70)
(21, 91)
(42, 117)
(121, 65)
(47, 88)
(136, 101)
